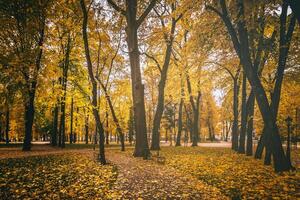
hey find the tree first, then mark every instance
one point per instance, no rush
(93, 82)
(28, 20)
(168, 38)
(241, 44)
(133, 23)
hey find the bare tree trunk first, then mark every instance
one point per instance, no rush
(71, 121)
(234, 134)
(107, 126)
(195, 107)
(94, 84)
(250, 115)
(55, 124)
(7, 125)
(86, 126)
(141, 145)
(243, 116)
(178, 140)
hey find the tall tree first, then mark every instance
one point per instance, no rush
(169, 38)
(133, 24)
(27, 19)
(64, 82)
(93, 81)
(240, 41)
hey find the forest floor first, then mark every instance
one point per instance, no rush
(138, 178)
(188, 173)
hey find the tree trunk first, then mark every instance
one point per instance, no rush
(250, 116)
(243, 116)
(107, 126)
(29, 116)
(7, 125)
(166, 135)
(71, 121)
(195, 107)
(62, 123)
(131, 126)
(55, 124)
(178, 140)
(86, 125)
(141, 144)
(234, 134)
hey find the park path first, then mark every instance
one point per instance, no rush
(146, 179)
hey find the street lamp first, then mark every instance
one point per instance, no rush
(288, 121)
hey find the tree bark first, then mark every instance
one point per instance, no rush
(55, 124)
(250, 114)
(243, 116)
(195, 107)
(29, 116)
(141, 145)
(7, 125)
(86, 126)
(71, 121)
(107, 126)
(234, 134)
(178, 139)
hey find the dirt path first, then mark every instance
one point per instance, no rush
(149, 180)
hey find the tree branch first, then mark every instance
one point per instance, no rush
(154, 59)
(145, 13)
(116, 7)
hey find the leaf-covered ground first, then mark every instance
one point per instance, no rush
(189, 173)
(63, 176)
(145, 179)
(237, 176)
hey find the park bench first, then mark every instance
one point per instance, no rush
(158, 158)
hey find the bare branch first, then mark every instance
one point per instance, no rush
(116, 7)
(154, 59)
(146, 12)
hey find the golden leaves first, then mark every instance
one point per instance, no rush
(237, 176)
(66, 176)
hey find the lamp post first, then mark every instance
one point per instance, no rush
(288, 150)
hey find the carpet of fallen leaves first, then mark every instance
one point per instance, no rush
(63, 176)
(148, 180)
(236, 175)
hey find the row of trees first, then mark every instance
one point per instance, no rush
(194, 67)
